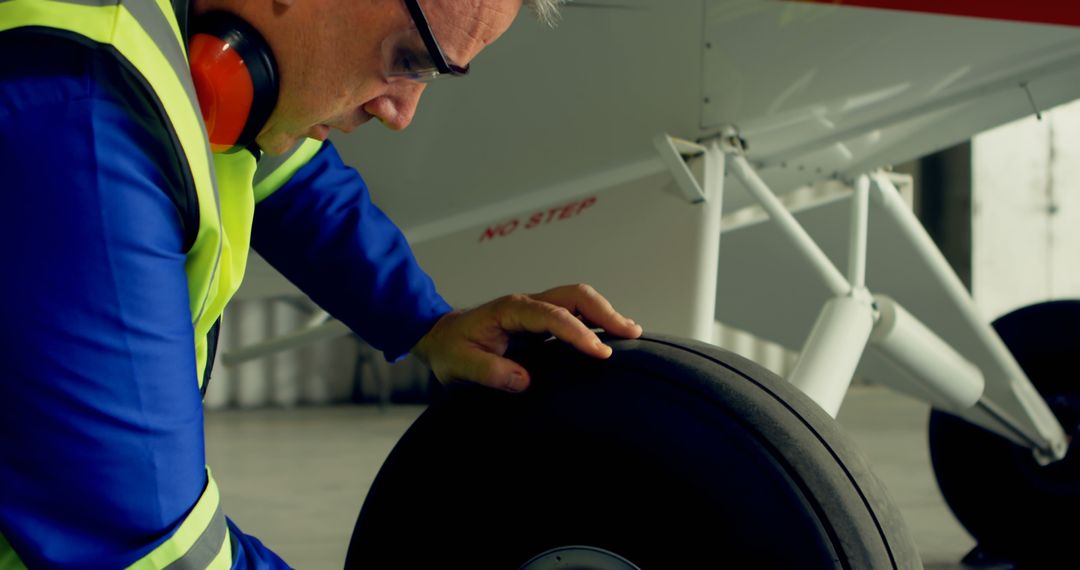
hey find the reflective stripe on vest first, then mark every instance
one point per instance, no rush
(200, 542)
(274, 171)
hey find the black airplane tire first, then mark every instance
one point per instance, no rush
(1016, 509)
(670, 454)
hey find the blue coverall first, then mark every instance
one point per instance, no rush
(101, 420)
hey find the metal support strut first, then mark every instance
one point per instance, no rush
(831, 353)
(854, 317)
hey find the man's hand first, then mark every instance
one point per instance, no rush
(469, 345)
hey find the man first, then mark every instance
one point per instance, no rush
(124, 239)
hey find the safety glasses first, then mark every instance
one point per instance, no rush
(414, 54)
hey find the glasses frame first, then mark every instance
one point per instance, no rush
(442, 64)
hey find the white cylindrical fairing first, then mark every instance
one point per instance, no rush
(953, 379)
(833, 350)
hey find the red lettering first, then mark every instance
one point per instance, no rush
(539, 218)
(501, 230)
(534, 220)
(508, 228)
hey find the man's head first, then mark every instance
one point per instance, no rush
(334, 56)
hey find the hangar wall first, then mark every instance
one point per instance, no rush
(1026, 212)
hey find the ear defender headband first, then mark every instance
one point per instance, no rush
(235, 78)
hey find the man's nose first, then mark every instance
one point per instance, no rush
(398, 106)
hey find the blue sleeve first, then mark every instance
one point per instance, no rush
(322, 232)
(101, 425)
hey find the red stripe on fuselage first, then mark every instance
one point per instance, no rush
(1061, 12)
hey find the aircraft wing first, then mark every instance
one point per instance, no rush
(817, 89)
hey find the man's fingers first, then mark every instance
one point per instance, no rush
(519, 313)
(469, 345)
(483, 367)
(593, 307)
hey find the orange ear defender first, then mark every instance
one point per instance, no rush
(236, 79)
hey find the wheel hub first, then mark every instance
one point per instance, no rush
(578, 558)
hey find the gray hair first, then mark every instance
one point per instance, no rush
(547, 11)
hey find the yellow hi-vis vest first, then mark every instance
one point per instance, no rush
(146, 38)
